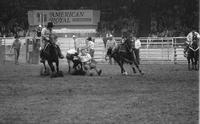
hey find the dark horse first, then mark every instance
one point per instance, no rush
(51, 55)
(193, 54)
(123, 53)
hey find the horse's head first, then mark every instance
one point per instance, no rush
(195, 43)
(129, 44)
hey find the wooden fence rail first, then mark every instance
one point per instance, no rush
(164, 49)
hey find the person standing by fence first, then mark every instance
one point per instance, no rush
(75, 42)
(16, 46)
(90, 47)
(111, 43)
(137, 49)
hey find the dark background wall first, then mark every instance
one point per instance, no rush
(168, 14)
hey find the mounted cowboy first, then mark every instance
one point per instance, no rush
(192, 36)
(46, 38)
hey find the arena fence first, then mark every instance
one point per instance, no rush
(161, 50)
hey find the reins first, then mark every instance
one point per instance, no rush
(194, 49)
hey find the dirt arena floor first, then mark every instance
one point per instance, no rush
(166, 94)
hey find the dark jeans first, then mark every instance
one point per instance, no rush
(17, 52)
(91, 52)
(137, 54)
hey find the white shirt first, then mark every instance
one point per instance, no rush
(137, 44)
(91, 44)
(45, 33)
(72, 51)
(85, 58)
(110, 44)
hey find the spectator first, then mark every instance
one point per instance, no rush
(39, 30)
(111, 43)
(75, 42)
(16, 46)
(137, 49)
(90, 47)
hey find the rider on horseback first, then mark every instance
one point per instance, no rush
(46, 38)
(192, 36)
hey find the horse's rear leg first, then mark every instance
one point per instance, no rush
(57, 66)
(196, 65)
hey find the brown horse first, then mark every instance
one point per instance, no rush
(124, 53)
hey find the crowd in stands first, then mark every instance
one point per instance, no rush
(171, 19)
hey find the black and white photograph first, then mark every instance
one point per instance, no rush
(99, 61)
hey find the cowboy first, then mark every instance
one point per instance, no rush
(46, 33)
(39, 30)
(88, 64)
(16, 46)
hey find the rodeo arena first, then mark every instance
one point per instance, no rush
(64, 71)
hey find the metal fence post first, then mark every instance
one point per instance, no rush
(175, 54)
(4, 50)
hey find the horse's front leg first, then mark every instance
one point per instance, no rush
(69, 67)
(193, 63)
(122, 68)
(52, 69)
(137, 66)
(188, 63)
(45, 68)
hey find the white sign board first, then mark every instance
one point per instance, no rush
(64, 17)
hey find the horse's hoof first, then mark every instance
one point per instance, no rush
(44, 72)
(53, 75)
(142, 73)
(60, 74)
(99, 72)
(125, 73)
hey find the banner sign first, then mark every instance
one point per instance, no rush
(64, 17)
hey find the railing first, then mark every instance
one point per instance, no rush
(163, 49)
